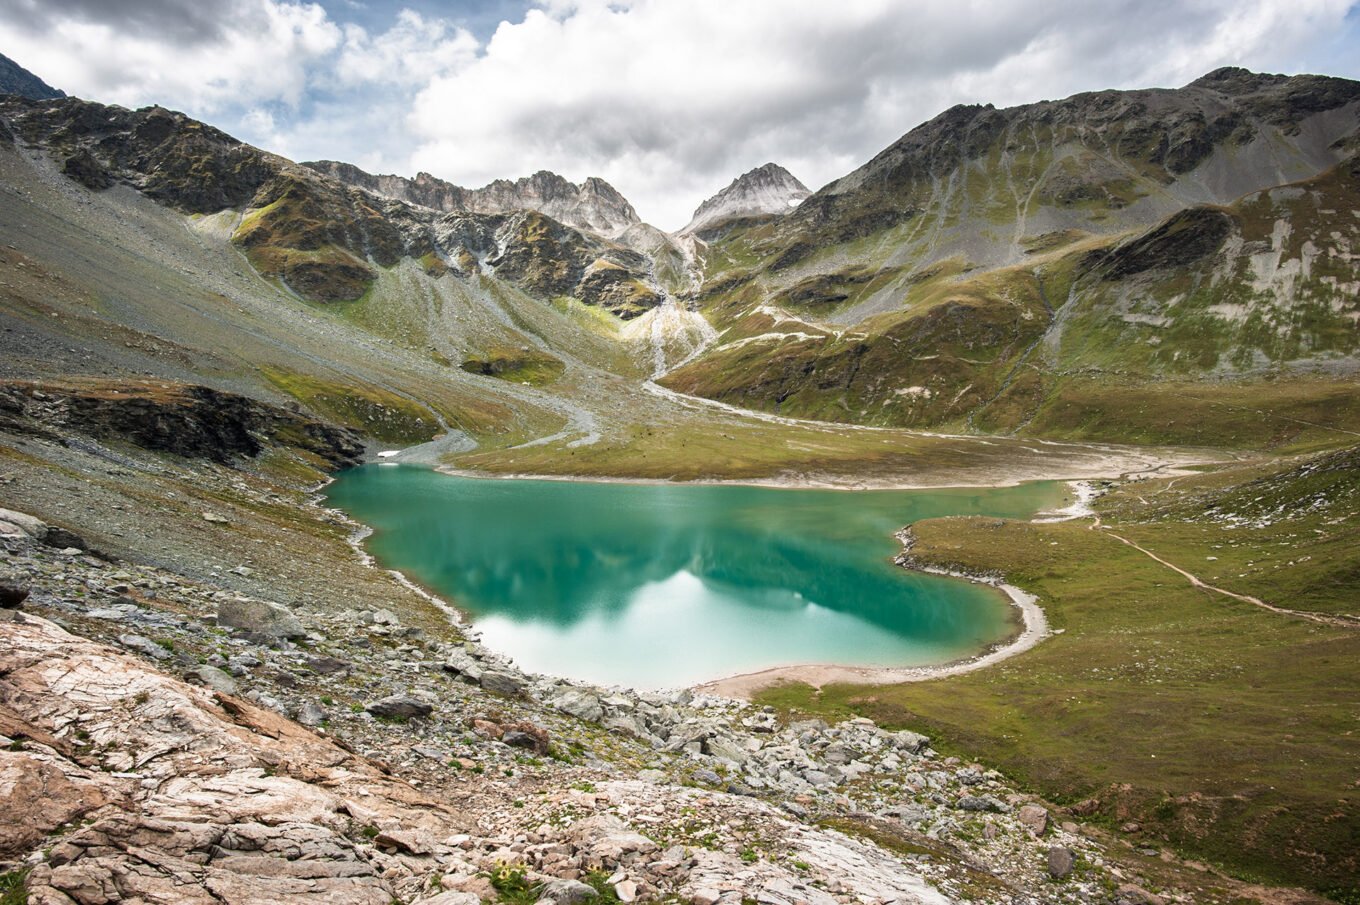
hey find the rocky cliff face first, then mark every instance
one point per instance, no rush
(769, 190)
(594, 206)
(1101, 162)
(171, 158)
(15, 79)
(185, 420)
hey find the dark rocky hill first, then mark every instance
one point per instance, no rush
(15, 79)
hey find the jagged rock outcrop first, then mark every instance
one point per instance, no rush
(323, 239)
(15, 79)
(176, 160)
(196, 422)
(549, 259)
(189, 795)
(768, 190)
(315, 235)
(594, 206)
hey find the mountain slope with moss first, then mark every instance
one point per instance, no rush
(994, 263)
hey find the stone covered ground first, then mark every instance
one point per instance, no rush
(171, 741)
(208, 693)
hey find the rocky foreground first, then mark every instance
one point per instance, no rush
(165, 740)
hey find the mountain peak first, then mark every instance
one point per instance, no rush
(1236, 80)
(15, 79)
(768, 189)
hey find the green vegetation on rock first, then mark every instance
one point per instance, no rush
(371, 409)
(521, 366)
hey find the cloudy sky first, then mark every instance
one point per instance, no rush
(666, 99)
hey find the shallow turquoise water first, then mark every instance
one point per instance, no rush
(657, 585)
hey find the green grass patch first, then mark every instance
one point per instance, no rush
(523, 365)
(377, 412)
(1229, 732)
(1283, 415)
(13, 889)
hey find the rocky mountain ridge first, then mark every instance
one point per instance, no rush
(1099, 161)
(594, 206)
(977, 242)
(319, 236)
(768, 190)
(987, 230)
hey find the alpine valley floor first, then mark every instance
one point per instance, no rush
(209, 692)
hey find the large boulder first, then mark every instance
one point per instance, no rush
(400, 707)
(502, 682)
(214, 678)
(1061, 860)
(12, 595)
(526, 735)
(581, 704)
(461, 663)
(1034, 817)
(914, 742)
(725, 748)
(566, 892)
(21, 524)
(260, 617)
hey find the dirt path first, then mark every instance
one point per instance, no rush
(1325, 619)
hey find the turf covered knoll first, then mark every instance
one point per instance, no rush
(523, 365)
(1226, 730)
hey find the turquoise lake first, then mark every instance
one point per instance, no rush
(664, 585)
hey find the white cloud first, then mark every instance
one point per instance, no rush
(257, 51)
(413, 51)
(667, 99)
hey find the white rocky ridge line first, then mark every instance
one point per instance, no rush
(769, 338)
(780, 316)
(594, 206)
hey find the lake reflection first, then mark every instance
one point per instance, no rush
(655, 585)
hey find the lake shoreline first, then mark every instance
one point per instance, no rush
(831, 482)
(1033, 629)
(1029, 625)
